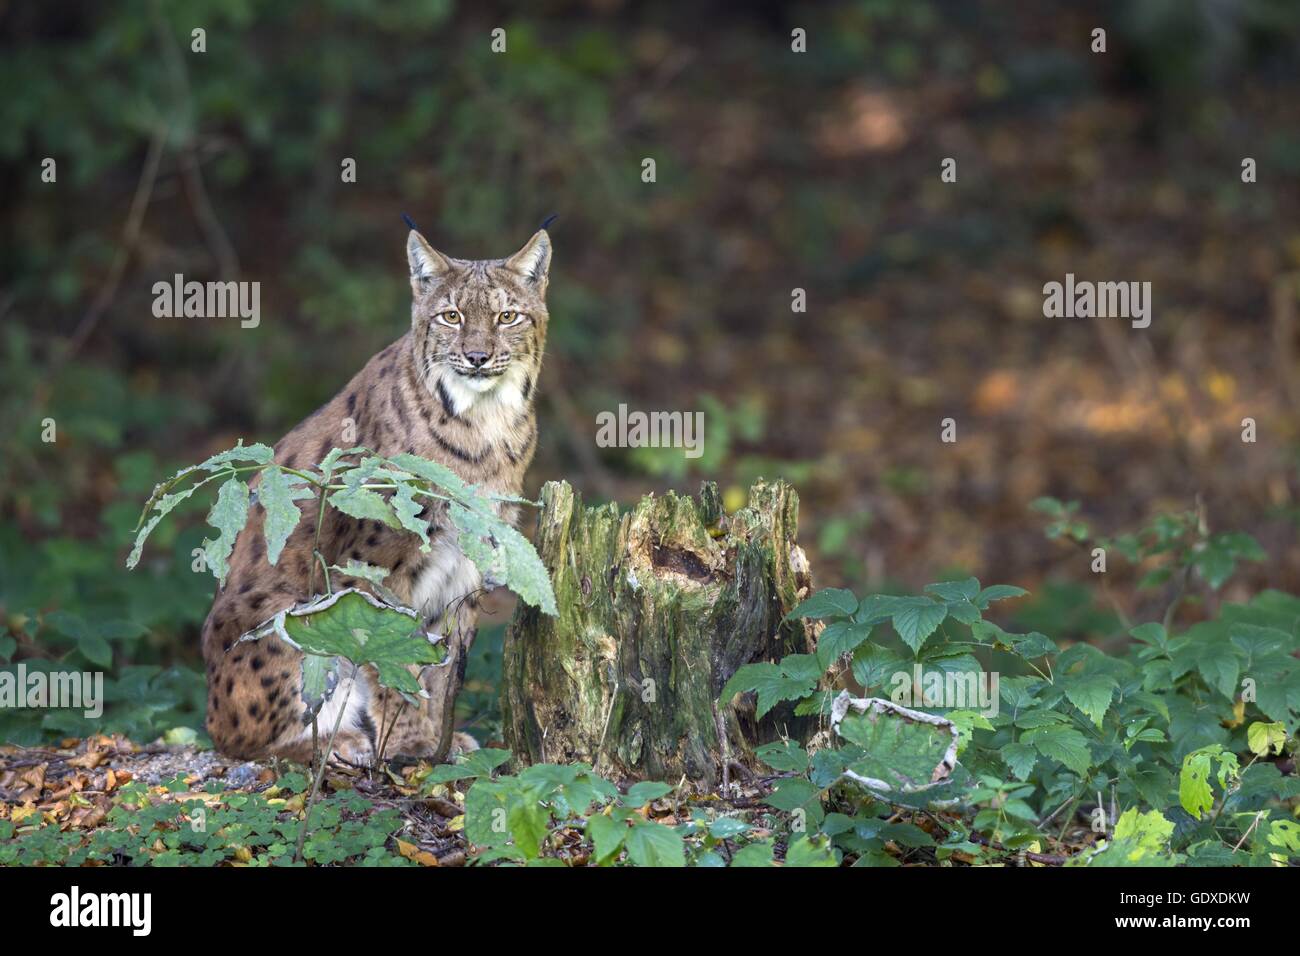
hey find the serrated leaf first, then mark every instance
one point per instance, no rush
(356, 627)
(1019, 758)
(1091, 693)
(797, 795)
(839, 638)
(1152, 633)
(828, 602)
(360, 502)
(163, 505)
(277, 497)
(408, 511)
(257, 454)
(903, 754)
(783, 755)
(1219, 663)
(771, 684)
(964, 612)
(1062, 743)
(501, 552)
(228, 515)
(952, 591)
(917, 619)
(997, 592)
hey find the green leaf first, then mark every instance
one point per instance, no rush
(408, 511)
(772, 683)
(320, 675)
(917, 619)
(502, 553)
(727, 828)
(477, 763)
(783, 755)
(651, 844)
(639, 794)
(355, 626)
(894, 754)
(257, 454)
(277, 498)
(1059, 742)
(873, 665)
(955, 591)
(1152, 633)
(1194, 792)
(828, 602)
(487, 806)
(1265, 738)
(607, 836)
(96, 650)
(527, 820)
(997, 592)
(797, 795)
(811, 851)
(164, 506)
(436, 474)
(1091, 693)
(839, 638)
(1220, 664)
(1143, 834)
(1019, 758)
(228, 515)
(754, 854)
(360, 502)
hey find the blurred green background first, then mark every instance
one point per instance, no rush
(775, 170)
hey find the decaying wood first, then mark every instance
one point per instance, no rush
(658, 606)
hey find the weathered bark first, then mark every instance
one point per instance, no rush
(658, 607)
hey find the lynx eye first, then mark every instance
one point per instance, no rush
(507, 319)
(451, 318)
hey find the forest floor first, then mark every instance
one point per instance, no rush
(106, 801)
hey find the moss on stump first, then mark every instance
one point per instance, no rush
(659, 605)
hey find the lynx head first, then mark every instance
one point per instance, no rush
(479, 326)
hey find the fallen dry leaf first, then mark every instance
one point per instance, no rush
(413, 852)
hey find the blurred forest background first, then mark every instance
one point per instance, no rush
(775, 170)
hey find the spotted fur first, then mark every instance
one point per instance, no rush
(458, 388)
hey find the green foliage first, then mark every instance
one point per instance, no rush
(1157, 727)
(533, 818)
(353, 626)
(252, 829)
(364, 486)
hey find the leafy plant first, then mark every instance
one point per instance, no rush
(1155, 729)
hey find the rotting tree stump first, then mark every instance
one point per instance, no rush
(658, 607)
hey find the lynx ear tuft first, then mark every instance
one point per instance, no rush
(533, 261)
(426, 262)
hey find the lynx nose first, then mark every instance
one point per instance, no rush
(477, 359)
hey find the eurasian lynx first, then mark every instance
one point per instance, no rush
(457, 388)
